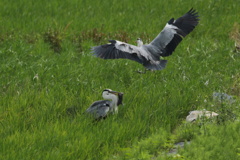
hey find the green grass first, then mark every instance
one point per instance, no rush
(219, 142)
(51, 40)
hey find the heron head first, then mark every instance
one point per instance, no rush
(139, 42)
(109, 94)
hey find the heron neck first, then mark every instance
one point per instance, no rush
(114, 101)
(140, 43)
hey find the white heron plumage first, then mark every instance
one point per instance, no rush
(149, 54)
(100, 109)
(139, 42)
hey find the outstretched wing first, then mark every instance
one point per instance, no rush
(173, 32)
(116, 50)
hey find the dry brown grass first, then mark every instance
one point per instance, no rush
(235, 35)
(235, 88)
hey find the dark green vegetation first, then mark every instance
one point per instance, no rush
(48, 78)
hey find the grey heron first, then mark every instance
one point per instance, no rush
(149, 54)
(100, 109)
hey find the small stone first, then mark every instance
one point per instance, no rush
(194, 115)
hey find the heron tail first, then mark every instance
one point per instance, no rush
(159, 65)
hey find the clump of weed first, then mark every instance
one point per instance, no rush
(31, 38)
(2, 38)
(145, 37)
(55, 36)
(226, 113)
(7, 36)
(226, 108)
(121, 36)
(72, 111)
(235, 35)
(235, 88)
(98, 37)
(95, 35)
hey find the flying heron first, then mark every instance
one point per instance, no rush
(100, 109)
(149, 54)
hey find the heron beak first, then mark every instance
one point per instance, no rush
(116, 93)
(120, 96)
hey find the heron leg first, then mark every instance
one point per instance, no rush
(115, 110)
(141, 72)
(144, 72)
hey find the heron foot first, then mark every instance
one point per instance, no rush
(141, 72)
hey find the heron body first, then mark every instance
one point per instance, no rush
(149, 54)
(100, 109)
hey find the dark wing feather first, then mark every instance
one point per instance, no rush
(116, 50)
(187, 22)
(99, 109)
(172, 34)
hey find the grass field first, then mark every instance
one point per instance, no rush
(48, 78)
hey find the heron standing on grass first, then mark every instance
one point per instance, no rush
(162, 46)
(100, 109)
